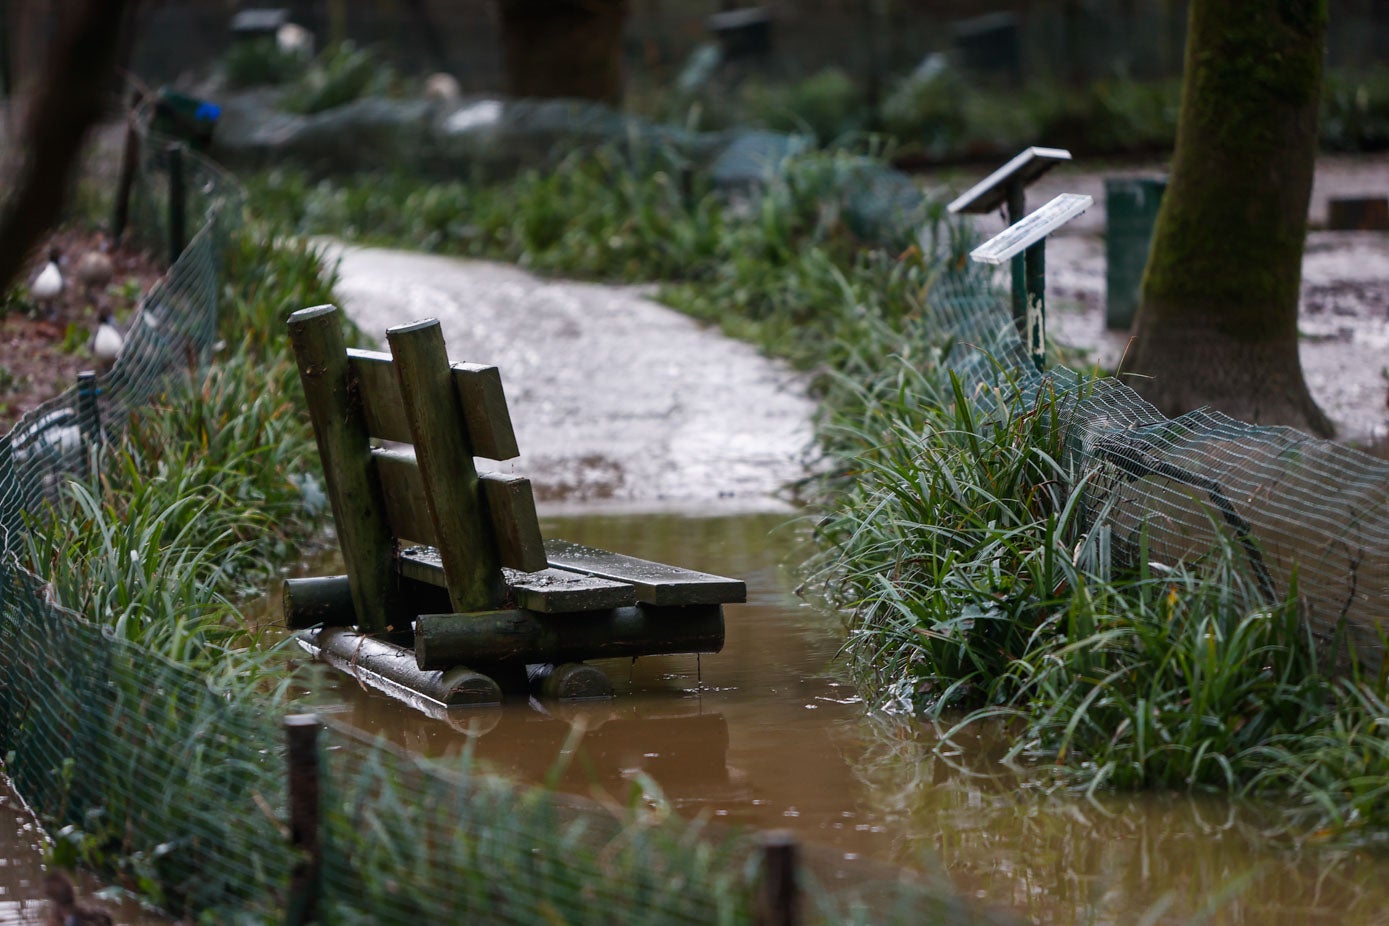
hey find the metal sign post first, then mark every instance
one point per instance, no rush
(1027, 240)
(1004, 187)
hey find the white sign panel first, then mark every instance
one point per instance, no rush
(1018, 237)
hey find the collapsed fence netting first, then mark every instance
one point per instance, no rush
(177, 782)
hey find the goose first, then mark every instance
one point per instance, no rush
(107, 339)
(48, 285)
(94, 269)
(63, 908)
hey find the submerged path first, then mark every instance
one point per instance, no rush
(618, 402)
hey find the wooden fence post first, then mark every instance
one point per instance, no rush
(304, 824)
(130, 156)
(778, 896)
(178, 196)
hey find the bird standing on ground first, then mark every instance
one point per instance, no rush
(48, 285)
(107, 339)
(63, 908)
(94, 269)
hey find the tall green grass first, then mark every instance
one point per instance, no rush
(978, 590)
(202, 497)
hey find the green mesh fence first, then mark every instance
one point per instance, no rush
(1310, 515)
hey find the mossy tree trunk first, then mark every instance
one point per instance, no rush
(563, 48)
(1217, 324)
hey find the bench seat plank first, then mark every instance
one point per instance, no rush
(551, 591)
(655, 583)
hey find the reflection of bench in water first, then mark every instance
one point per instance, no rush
(446, 567)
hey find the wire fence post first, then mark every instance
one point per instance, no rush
(778, 895)
(177, 201)
(304, 823)
(1036, 281)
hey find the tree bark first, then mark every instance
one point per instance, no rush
(75, 87)
(1217, 323)
(563, 48)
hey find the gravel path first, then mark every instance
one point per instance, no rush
(616, 401)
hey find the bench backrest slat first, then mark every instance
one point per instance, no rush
(407, 509)
(511, 511)
(479, 389)
(509, 508)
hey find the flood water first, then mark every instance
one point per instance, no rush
(770, 734)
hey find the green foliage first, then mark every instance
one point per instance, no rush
(596, 214)
(340, 75)
(197, 500)
(259, 63)
(267, 278)
(827, 105)
(1355, 110)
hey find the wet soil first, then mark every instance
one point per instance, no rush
(43, 346)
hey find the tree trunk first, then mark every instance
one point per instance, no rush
(1217, 325)
(74, 88)
(563, 48)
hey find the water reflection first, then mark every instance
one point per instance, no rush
(769, 733)
(22, 850)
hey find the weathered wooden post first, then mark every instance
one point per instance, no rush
(1005, 187)
(340, 429)
(178, 195)
(444, 452)
(778, 894)
(305, 883)
(1028, 239)
(130, 155)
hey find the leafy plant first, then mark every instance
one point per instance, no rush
(260, 62)
(341, 74)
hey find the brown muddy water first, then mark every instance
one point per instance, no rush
(22, 849)
(770, 734)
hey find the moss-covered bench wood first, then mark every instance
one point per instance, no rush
(446, 563)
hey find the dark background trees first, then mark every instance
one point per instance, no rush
(76, 86)
(563, 48)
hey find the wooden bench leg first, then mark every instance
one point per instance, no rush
(570, 681)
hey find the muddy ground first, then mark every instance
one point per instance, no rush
(44, 345)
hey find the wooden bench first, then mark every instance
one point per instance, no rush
(448, 562)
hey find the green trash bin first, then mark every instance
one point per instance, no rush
(1131, 208)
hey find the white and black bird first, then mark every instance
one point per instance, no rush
(107, 340)
(48, 285)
